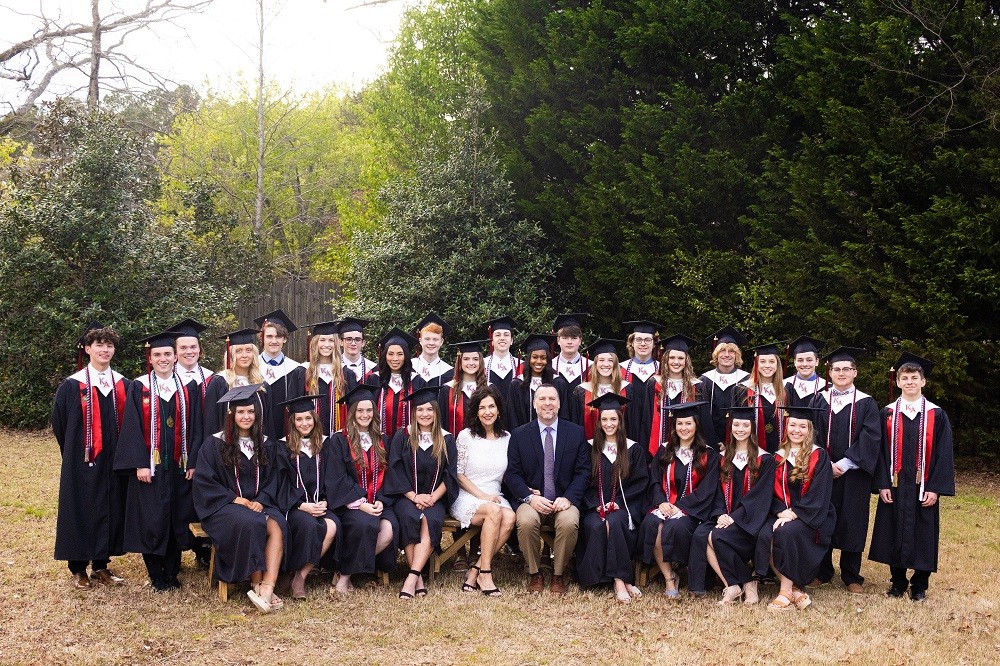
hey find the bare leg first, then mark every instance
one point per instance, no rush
(713, 561)
(417, 555)
(668, 573)
(489, 516)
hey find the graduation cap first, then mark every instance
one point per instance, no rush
(907, 358)
(301, 404)
(161, 339)
(357, 394)
(768, 348)
(433, 318)
(276, 317)
(244, 336)
(189, 328)
(424, 395)
(609, 401)
(801, 411)
(570, 319)
(805, 344)
(727, 334)
(351, 325)
(538, 342)
(844, 354)
(240, 396)
(397, 336)
(324, 328)
(603, 346)
(504, 323)
(679, 342)
(642, 326)
(742, 412)
(684, 409)
(470, 346)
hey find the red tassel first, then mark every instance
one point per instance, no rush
(489, 336)
(228, 354)
(892, 383)
(309, 337)
(148, 364)
(715, 343)
(788, 362)
(79, 358)
(729, 430)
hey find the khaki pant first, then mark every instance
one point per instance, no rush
(529, 524)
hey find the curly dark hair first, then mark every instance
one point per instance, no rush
(472, 415)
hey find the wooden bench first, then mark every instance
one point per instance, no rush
(197, 531)
(451, 526)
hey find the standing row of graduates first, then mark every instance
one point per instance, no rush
(134, 452)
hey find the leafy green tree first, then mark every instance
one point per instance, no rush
(78, 241)
(450, 242)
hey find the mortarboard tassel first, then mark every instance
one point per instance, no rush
(228, 354)
(79, 358)
(892, 383)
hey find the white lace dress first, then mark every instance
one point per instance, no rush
(483, 462)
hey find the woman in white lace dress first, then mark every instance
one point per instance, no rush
(482, 461)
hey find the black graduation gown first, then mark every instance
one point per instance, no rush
(798, 547)
(154, 511)
(281, 389)
(720, 399)
(586, 417)
(566, 387)
(660, 430)
(305, 532)
(201, 406)
(399, 480)
(502, 383)
(852, 491)
(214, 417)
(360, 530)
(90, 524)
(639, 415)
(734, 545)
(239, 533)
(697, 506)
(325, 411)
(396, 409)
(604, 550)
(906, 534)
(772, 431)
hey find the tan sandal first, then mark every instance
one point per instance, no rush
(781, 603)
(750, 595)
(731, 595)
(261, 599)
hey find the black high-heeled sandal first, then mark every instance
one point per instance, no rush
(495, 592)
(420, 591)
(471, 587)
(407, 595)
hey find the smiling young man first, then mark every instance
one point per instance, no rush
(640, 372)
(850, 431)
(284, 378)
(547, 473)
(720, 382)
(432, 331)
(916, 466)
(86, 419)
(159, 439)
(352, 336)
(501, 365)
(802, 387)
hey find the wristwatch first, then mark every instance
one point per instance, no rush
(527, 499)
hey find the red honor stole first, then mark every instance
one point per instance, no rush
(754, 400)
(371, 475)
(727, 486)
(782, 479)
(146, 416)
(456, 409)
(94, 432)
(591, 415)
(672, 492)
(894, 426)
(658, 433)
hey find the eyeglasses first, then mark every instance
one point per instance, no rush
(642, 341)
(844, 369)
(353, 341)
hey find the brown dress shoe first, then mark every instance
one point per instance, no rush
(81, 581)
(536, 583)
(107, 577)
(855, 588)
(558, 586)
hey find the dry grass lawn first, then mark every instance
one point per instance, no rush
(43, 620)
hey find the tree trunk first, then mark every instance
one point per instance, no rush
(93, 90)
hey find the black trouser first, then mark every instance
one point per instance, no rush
(918, 581)
(850, 567)
(80, 566)
(163, 568)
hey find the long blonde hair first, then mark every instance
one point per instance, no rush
(438, 449)
(616, 376)
(801, 467)
(312, 369)
(254, 375)
(687, 375)
(294, 438)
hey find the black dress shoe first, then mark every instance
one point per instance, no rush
(895, 593)
(918, 595)
(159, 584)
(174, 582)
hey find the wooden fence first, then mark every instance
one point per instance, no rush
(305, 302)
